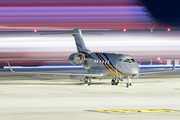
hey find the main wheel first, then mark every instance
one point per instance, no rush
(127, 85)
(113, 82)
(116, 82)
(89, 82)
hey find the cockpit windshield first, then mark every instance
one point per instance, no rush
(127, 60)
(132, 60)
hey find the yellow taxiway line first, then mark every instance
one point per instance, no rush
(136, 111)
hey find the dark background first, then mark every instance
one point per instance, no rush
(164, 11)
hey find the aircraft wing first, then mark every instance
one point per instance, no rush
(158, 71)
(154, 72)
(56, 73)
(60, 73)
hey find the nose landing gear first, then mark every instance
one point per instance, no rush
(128, 82)
(115, 81)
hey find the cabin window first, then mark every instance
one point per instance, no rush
(119, 59)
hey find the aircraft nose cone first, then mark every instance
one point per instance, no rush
(134, 71)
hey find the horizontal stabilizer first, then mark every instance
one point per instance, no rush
(56, 33)
(70, 33)
(93, 33)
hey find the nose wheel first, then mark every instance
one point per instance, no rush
(115, 81)
(128, 82)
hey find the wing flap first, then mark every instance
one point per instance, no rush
(54, 73)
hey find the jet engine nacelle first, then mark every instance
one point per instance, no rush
(76, 58)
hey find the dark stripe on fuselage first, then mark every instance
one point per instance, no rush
(87, 55)
(111, 63)
(107, 66)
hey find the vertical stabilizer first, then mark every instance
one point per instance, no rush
(79, 41)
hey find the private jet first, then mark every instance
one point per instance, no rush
(99, 65)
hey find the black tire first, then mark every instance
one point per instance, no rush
(127, 85)
(113, 82)
(116, 83)
(89, 82)
(130, 84)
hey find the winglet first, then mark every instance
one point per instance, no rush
(174, 65)
(10, 67)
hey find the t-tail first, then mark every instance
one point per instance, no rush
(81, 48)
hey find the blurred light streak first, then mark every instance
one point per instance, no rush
(61, 43)
(80, 67)
(33, 49)
(44, 67)
(84, 14)
(157, 66)
(94, 46)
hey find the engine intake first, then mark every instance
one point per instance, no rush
(76, 59)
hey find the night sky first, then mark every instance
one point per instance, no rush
(165, 11)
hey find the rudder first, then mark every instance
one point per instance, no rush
(79, 41)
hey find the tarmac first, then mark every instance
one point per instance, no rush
(31, 97)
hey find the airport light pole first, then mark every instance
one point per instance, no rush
(151, 28)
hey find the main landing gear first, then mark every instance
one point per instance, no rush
(128, 82)
(115, 81)
(87, 81)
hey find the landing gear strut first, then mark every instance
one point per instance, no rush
(87, 81)
(128, 82)
(115, 81)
